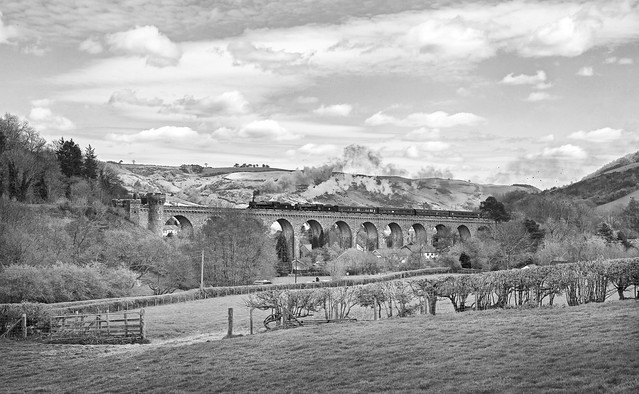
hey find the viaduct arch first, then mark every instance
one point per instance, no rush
(349, 230)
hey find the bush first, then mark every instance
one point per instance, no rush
(38, 315)
(62, 283)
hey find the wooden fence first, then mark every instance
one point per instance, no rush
(120, 327)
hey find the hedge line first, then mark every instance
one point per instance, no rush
(38, 314)
(581, 282)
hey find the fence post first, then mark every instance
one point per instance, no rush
(126, 325)
(24, 325)
(251, 321)
(229, 334)
(142, 325)
(107, 323)
(374, 308)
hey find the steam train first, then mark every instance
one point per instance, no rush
(349, 209)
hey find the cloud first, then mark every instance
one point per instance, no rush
(7, 32)
(146, 41)
(586, 71)
(565, 152)
(603, 135)
(569, 36)
(523, 79)
(547, 138)
(624, 61)
(92, 46)
(44, 119)
(440, 40)
(438, 119)
(228, 103)
(334, 110)
(266, 129)
(416, 151)
(129, 96)
(539, 96)
(165, 135)
(315, 150)
(423, 134)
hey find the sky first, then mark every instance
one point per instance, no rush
(533, 92)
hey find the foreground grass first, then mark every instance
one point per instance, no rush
(590, 348)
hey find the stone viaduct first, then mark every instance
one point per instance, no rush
(308, 228)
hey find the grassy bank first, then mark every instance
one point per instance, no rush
(588, 348)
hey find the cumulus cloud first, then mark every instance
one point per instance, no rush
(602, 135)
(129, 96)
(416, 151)
(165, 135)
(228, 103)
(315, 150)
(7, 32)
(438, 119)
(334, 110)
(442, 39)
(146, 41)
(43, 118)
(523, 79)
(624, 61)
(91, 45)
(423, 134)
(586, 71)
(547, 138)
(539, 96)
(568, 151)
(569, 36)
(266, 129)
(450, 38)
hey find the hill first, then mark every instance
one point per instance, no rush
(611, 186)
(233, 186)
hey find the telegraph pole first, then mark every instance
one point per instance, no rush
(202, 272)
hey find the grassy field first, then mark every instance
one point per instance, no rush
(590, 348)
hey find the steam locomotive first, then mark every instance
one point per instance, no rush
(368, 210)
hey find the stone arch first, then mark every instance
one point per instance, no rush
(287, 232)
(311, 234)
(393, 236)
(443, 237)
(177, 225)
(340, 234)
(464, 233)
(417, 234)
(367, 237)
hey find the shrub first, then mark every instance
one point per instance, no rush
(62, 283)
(38, 315)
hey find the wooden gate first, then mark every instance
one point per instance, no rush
(101, 327)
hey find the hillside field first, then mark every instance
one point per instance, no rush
(589, 348)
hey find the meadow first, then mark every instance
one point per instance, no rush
(586, 348)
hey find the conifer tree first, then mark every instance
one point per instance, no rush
(90, 165)
(69, 157)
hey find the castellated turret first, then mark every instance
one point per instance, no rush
(156, 202)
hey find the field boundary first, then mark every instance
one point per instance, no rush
(128, 303)
(99, 327)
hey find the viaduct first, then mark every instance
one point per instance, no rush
(307, 228)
